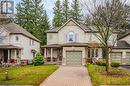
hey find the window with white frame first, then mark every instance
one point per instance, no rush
(17, 38)
(93, 37)
(71, 37)
(31, 42)
(96, 53)
(93, 52)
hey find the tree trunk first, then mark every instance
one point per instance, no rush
(107, 59)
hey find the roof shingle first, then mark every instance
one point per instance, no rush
(122, 45)
(16, 29)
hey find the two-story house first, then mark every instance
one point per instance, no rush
(74, 44)
(17, 44)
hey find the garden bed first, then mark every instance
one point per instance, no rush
(114, 77)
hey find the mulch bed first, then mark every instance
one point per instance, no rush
(114, 74)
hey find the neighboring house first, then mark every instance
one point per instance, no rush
(121, 52)
(17, 44)
(74, 44)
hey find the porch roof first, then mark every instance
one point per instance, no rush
(75, 44)
(9, 47)
(66, 45)
(51, 46)
(95, 45)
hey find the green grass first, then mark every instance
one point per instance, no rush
(115, 77)
(27, 75)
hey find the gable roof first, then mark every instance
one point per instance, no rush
(82, 26)
(9, 47)
(13, 28)
(122, 45)
(123, 36)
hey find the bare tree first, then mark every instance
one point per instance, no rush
(107, 17)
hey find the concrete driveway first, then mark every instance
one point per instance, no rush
(125, 68)
(68, 76)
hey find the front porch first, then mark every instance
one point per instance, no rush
(53, 55)
(10, 54)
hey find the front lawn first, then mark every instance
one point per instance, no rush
(27, 75)
(115, 77)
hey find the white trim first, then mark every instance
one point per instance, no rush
(15, 54)
(51, 54)
(45, 53)
(68, 22)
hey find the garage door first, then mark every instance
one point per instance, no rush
(116, 56)
(74, 58)
(128, 58)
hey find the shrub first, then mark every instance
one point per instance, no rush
(115, 64)
(38, 59)
(101, 63)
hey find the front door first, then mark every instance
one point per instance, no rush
(5, 55)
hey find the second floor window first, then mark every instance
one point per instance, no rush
(71, 37)
(31, 42)
(92, 37)
(17, 38)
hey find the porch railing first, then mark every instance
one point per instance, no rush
(53, 60)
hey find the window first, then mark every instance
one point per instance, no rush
(71, 37)
(32, 42)
(92, 52)
(17, 38)
(96, 52)
(92, 37)
(88, 53)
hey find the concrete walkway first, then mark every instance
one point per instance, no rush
(68, 76)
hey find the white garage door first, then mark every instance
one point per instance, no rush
(128, 58)
(74, 57)
(116, 56)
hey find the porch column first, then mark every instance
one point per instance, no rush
(15, 54)
(9, 54)
(124, 54)
(94, 52)
(45, 56)
(124, 59)
(51, 54)
(90, 52)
